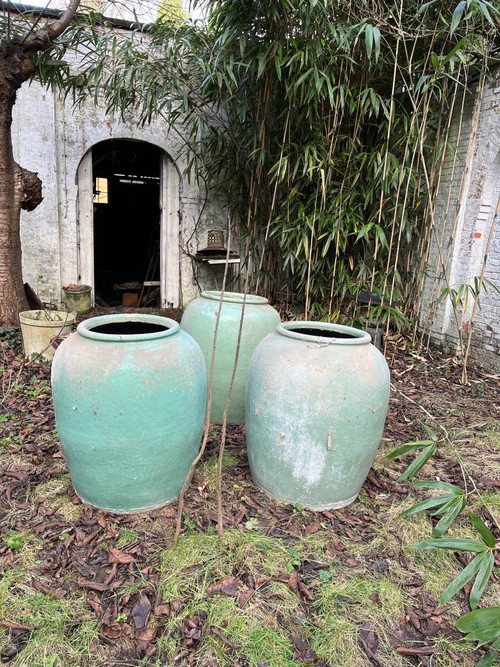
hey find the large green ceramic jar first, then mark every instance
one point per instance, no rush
(317, 398)
(130, 400)
(199, 321)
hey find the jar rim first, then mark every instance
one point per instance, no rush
(85, 328)
(43, 318)
(353, 336)
(235, 297)
(77, 289)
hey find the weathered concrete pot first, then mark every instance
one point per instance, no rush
(199, 321)
(317, 398)
(40, 327)
(130, 399)
(78, 298)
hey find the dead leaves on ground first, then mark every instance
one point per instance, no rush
(119, 579)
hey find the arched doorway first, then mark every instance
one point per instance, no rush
(128, 220)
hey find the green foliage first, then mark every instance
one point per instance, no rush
(483, 626)
(10, 337)
(428, 448)
(14, 540)
(320, 123)
(461, 295)
(450, 505)
(479, 568)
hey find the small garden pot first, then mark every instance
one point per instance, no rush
(317, 398)
(199, 320)
(130, 401)
(78, 298)
(40, 330)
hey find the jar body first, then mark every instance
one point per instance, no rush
(129, 410)
(316, 409)
(199, 320)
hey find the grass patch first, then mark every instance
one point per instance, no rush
(56, 496)
(127, 536)
(208, 471)
(259, 630)
(62, 632)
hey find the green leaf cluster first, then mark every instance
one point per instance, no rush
(482, 625)
(479, 568)
(320, 122)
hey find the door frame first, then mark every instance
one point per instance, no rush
(169, 203)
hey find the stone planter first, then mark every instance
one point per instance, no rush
(130, 399)
(40, 327)
(78, 298)
(199, 321)
(317, 398)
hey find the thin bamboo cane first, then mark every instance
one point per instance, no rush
(220, 518)
(206, 426)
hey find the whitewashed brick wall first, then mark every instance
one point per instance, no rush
(51, 137)
(465, 210)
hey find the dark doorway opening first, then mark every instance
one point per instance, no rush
(126, 178)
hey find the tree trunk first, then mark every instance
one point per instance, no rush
(18, 189)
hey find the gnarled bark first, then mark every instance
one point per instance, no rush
(19, 188)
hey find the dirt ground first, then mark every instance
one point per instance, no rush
(81, 554)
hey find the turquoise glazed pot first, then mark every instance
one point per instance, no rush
(199, 321)
(130, 400)
(317, 398)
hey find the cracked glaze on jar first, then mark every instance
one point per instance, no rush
(130, 399)
(317, 398)
(199, 321)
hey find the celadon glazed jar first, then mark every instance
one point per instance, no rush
(199, 320)
(130, 401)
(317, 398)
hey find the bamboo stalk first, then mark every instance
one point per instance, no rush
(206, 426)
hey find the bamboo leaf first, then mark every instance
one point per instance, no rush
(490, 659)
(369, 40)
(426, 6)
(463, 578)
(376, 42)
(452, 543)
(456, 507)
(480, 618)
(454, 50)
(408, 447)
(432, 434)
(418, 463)
(483, 530)
(482, 579)
(457, 15)
(485, 634)
(438, 484)
(426, 504)
(484, 11)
